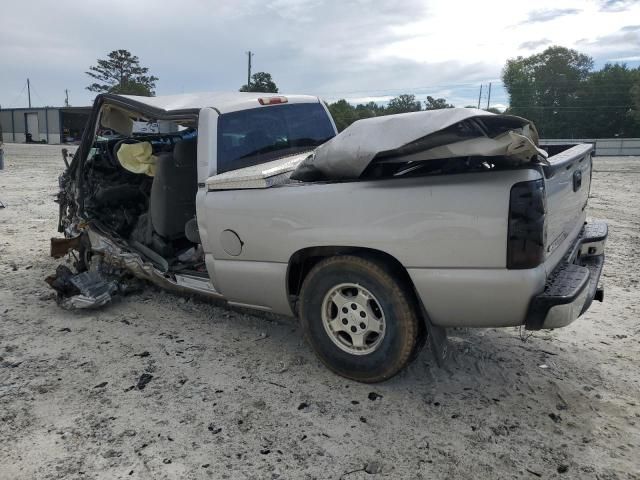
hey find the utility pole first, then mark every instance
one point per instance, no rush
(480, 96)
(29, 92)
(66, 97)
(249, 55)
(489, 96)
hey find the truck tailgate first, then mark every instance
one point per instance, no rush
(567, 184)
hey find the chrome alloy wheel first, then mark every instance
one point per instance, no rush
(353, 319)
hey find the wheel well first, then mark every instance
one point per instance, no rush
(301, 263)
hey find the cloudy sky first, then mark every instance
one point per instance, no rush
(356, 49)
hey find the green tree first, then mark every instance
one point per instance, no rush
(368, 110)
(607, 96)
(403, 104)
(260, 82)
(121, 73)
(436, 103)
(545, 87)
(635, 98)
(343, 113)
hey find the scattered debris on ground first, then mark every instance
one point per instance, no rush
(90, 289)
(144, 379)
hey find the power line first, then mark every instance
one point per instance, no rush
(38, 95)
(599, 90)
(12, 102)
(579, 95)
(594, 107)
(501, 95)
(470, 85)
(623, 85)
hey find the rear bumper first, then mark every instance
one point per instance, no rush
(573, 284)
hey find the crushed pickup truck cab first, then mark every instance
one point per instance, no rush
(377, 238)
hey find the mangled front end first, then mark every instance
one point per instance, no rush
(127, 209)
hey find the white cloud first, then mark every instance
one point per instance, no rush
(548, 14)
(358, 49)
(632, 58)
(616, 5)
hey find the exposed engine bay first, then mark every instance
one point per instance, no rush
(154, 210)
(136, 189)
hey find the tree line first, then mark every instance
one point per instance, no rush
(561, 93)
(344, 113)
(557, 89)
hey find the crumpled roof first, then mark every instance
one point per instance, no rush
(415, 136)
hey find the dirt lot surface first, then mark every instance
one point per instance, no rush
(238, 395)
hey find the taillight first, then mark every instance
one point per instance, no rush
(527, 231)
(272, 100)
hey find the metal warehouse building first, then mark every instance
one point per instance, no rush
(43, 125)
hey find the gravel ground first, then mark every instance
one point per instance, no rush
(240, 395)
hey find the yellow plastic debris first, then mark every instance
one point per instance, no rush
(137, 158)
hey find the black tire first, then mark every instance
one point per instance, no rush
(402, 324)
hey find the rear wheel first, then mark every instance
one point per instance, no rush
(360, 320)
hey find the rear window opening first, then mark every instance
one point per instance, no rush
(259, 135)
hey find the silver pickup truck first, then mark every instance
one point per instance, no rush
(377, 238)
